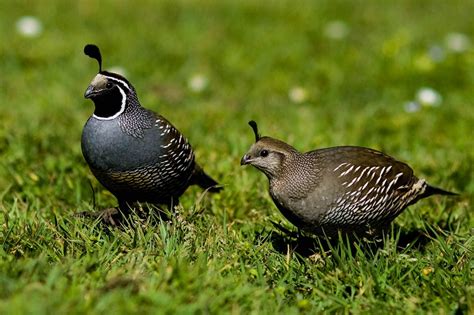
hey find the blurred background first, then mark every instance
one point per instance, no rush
(395, 76)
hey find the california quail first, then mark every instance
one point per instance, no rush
(347, 188)
(135, 153)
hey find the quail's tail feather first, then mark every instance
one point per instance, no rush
(204, 181)
(431, 190)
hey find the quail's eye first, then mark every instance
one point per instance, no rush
(263, 153)
(108, 85)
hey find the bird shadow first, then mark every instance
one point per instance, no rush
(285, 241)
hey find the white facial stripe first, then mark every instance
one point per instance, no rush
(122, 107)
(119, 81)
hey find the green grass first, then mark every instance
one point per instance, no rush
(222, 254)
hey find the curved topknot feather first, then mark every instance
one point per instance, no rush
(93, 51)
(253, 124)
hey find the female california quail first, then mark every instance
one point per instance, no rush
(135, 153)
(348, 189)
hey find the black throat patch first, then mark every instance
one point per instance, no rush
(110, 104)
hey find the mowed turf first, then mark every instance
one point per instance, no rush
(312, 73)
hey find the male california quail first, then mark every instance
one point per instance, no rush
(135, 153)
(347, 188)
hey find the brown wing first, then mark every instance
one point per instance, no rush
(363, 186)
(359, 169)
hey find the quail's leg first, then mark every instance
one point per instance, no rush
(174, 202)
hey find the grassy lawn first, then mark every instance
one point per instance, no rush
(312, 73)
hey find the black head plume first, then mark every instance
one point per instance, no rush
(253, 124)
(93, 51)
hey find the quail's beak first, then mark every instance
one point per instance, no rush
(245, 160)
(89, 92)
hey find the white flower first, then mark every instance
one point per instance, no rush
(428, 97)
(412, 106)
(29, 26)
(297, 94)
(119, 70)
(197, 83)
(336, 29)
(457, 42)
